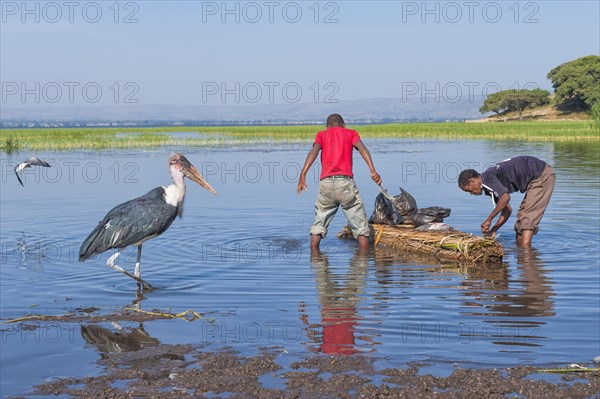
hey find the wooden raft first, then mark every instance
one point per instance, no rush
(455, 246)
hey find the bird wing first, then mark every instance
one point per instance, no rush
(129, 223)
(27, 164)
(18, 169)
(38, 162)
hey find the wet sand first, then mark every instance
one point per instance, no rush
(182, 371)
(135, 364)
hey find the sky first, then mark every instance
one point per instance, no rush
(86, 53)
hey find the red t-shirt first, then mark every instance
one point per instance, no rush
(336, 151)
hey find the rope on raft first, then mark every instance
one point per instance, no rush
(457, 246)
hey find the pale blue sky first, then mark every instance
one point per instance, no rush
(178, 51)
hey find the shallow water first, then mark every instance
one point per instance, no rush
(242, 258)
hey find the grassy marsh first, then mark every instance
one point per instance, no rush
(132, 137)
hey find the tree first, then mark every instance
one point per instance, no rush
(596, 114)
(577, 83)
(515, 100)
(493, 103)
(520, 100)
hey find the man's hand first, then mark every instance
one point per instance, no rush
(310, 158)
(485, 226)
(501, 206)
(490, 234)
(375, 176)
(302, 184)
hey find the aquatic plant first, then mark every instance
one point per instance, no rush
(10, 145)
(128, 137)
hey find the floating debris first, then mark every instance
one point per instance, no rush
(188, 315)
(84, 315)
(572, 368)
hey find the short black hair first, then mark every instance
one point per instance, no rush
(335, 120)
(465, 176)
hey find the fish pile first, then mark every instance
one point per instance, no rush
(403, 208)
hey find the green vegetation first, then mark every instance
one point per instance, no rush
(576, 90)
(507, 131)
(515, 100)
(596, 114)
(10, 144)
(99, 138)
(577, 83)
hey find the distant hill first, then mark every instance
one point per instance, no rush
(376, 110)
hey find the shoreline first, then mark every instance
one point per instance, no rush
(34, 139)
(131, 362)
(185, 370)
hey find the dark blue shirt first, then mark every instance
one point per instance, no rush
(510, 175)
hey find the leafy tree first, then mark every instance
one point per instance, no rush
(577, 83)
(515, 100)
(520, 100)
(493, 103)
(596, 114)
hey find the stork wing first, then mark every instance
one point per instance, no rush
(129, 223)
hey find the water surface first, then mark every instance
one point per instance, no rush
(242, 258)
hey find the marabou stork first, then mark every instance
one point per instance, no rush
(142, 218)
(27, 164)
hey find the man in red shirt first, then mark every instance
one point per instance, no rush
(337, 185)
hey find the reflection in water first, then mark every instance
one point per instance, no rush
(536, 300)
(121, 340)
(506, 308)
(132, 347)
(578, 156)
(339, 295)
(502, 295)
(525, 298)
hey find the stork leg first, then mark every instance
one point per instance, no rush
(111, 262)
(137, 272)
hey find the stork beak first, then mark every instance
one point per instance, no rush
(193, 174)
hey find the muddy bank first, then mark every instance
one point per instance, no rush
(133, 364)
(136, 366)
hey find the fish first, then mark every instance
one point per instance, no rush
(434, 226)
(419, 219)
(436, 211)
(432, 214)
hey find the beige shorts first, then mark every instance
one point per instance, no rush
(333, 192)
(535, 201)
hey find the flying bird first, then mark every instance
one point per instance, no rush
(143, 218)
(33, 161)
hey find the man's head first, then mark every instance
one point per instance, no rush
(335, 120)
(470, 181)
